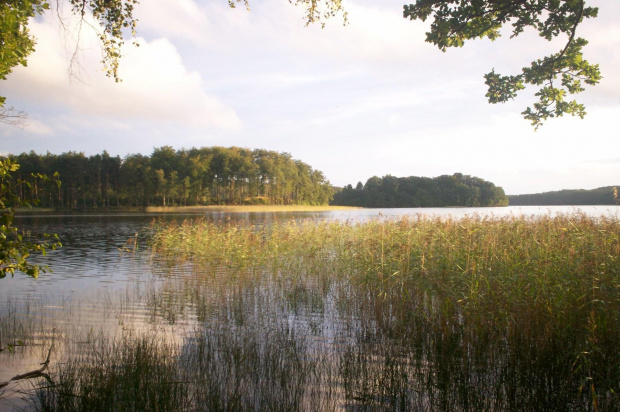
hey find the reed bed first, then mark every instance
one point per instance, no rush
(492, 313)
(509, 267)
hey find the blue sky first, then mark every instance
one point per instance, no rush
(369, 98)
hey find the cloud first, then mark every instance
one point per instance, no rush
(179, 19)
(603, 50)
(156, 85)
(37, 127)
(374, 34)
(379, 36)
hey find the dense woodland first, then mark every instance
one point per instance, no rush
(212, 175)
(600, 196)
(441, 191)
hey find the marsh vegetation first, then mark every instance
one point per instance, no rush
(414, 313)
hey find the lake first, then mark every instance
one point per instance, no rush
(95, 287)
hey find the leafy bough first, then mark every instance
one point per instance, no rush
(15, 248)
(557, 75)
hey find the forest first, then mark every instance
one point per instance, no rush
(600, 196)
(169, 177)
(413, 191)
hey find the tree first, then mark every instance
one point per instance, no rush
(555, 75)
(14, 248)
(456, 190)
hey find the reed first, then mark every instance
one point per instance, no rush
(122, 373)
(538, 297)
(544, 265)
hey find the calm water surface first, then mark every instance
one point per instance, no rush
(90, 273)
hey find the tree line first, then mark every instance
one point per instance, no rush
(169, 177)
(600, 196)
(413, 191)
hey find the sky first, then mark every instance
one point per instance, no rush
(371, 98)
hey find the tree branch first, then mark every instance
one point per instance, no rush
(32, 374)
(13, 117)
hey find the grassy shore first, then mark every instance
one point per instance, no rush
(185, 209)
(245, 208)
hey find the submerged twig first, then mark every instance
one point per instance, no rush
(32, 374)
(130, 245)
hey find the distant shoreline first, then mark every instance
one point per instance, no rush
(246, 208)
(185, 209)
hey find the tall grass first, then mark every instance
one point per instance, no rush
(508, 267)
(116, 373)
(525, 310)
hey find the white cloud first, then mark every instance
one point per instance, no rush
(156, 86)
(179, 19)
(37, 127)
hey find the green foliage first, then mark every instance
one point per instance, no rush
(16, 43)
(318, 11)
(556, 75)
(169, 177)
(116, 18)
(601, 196)
(15, 40)
(441, 191)
(15, 249)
